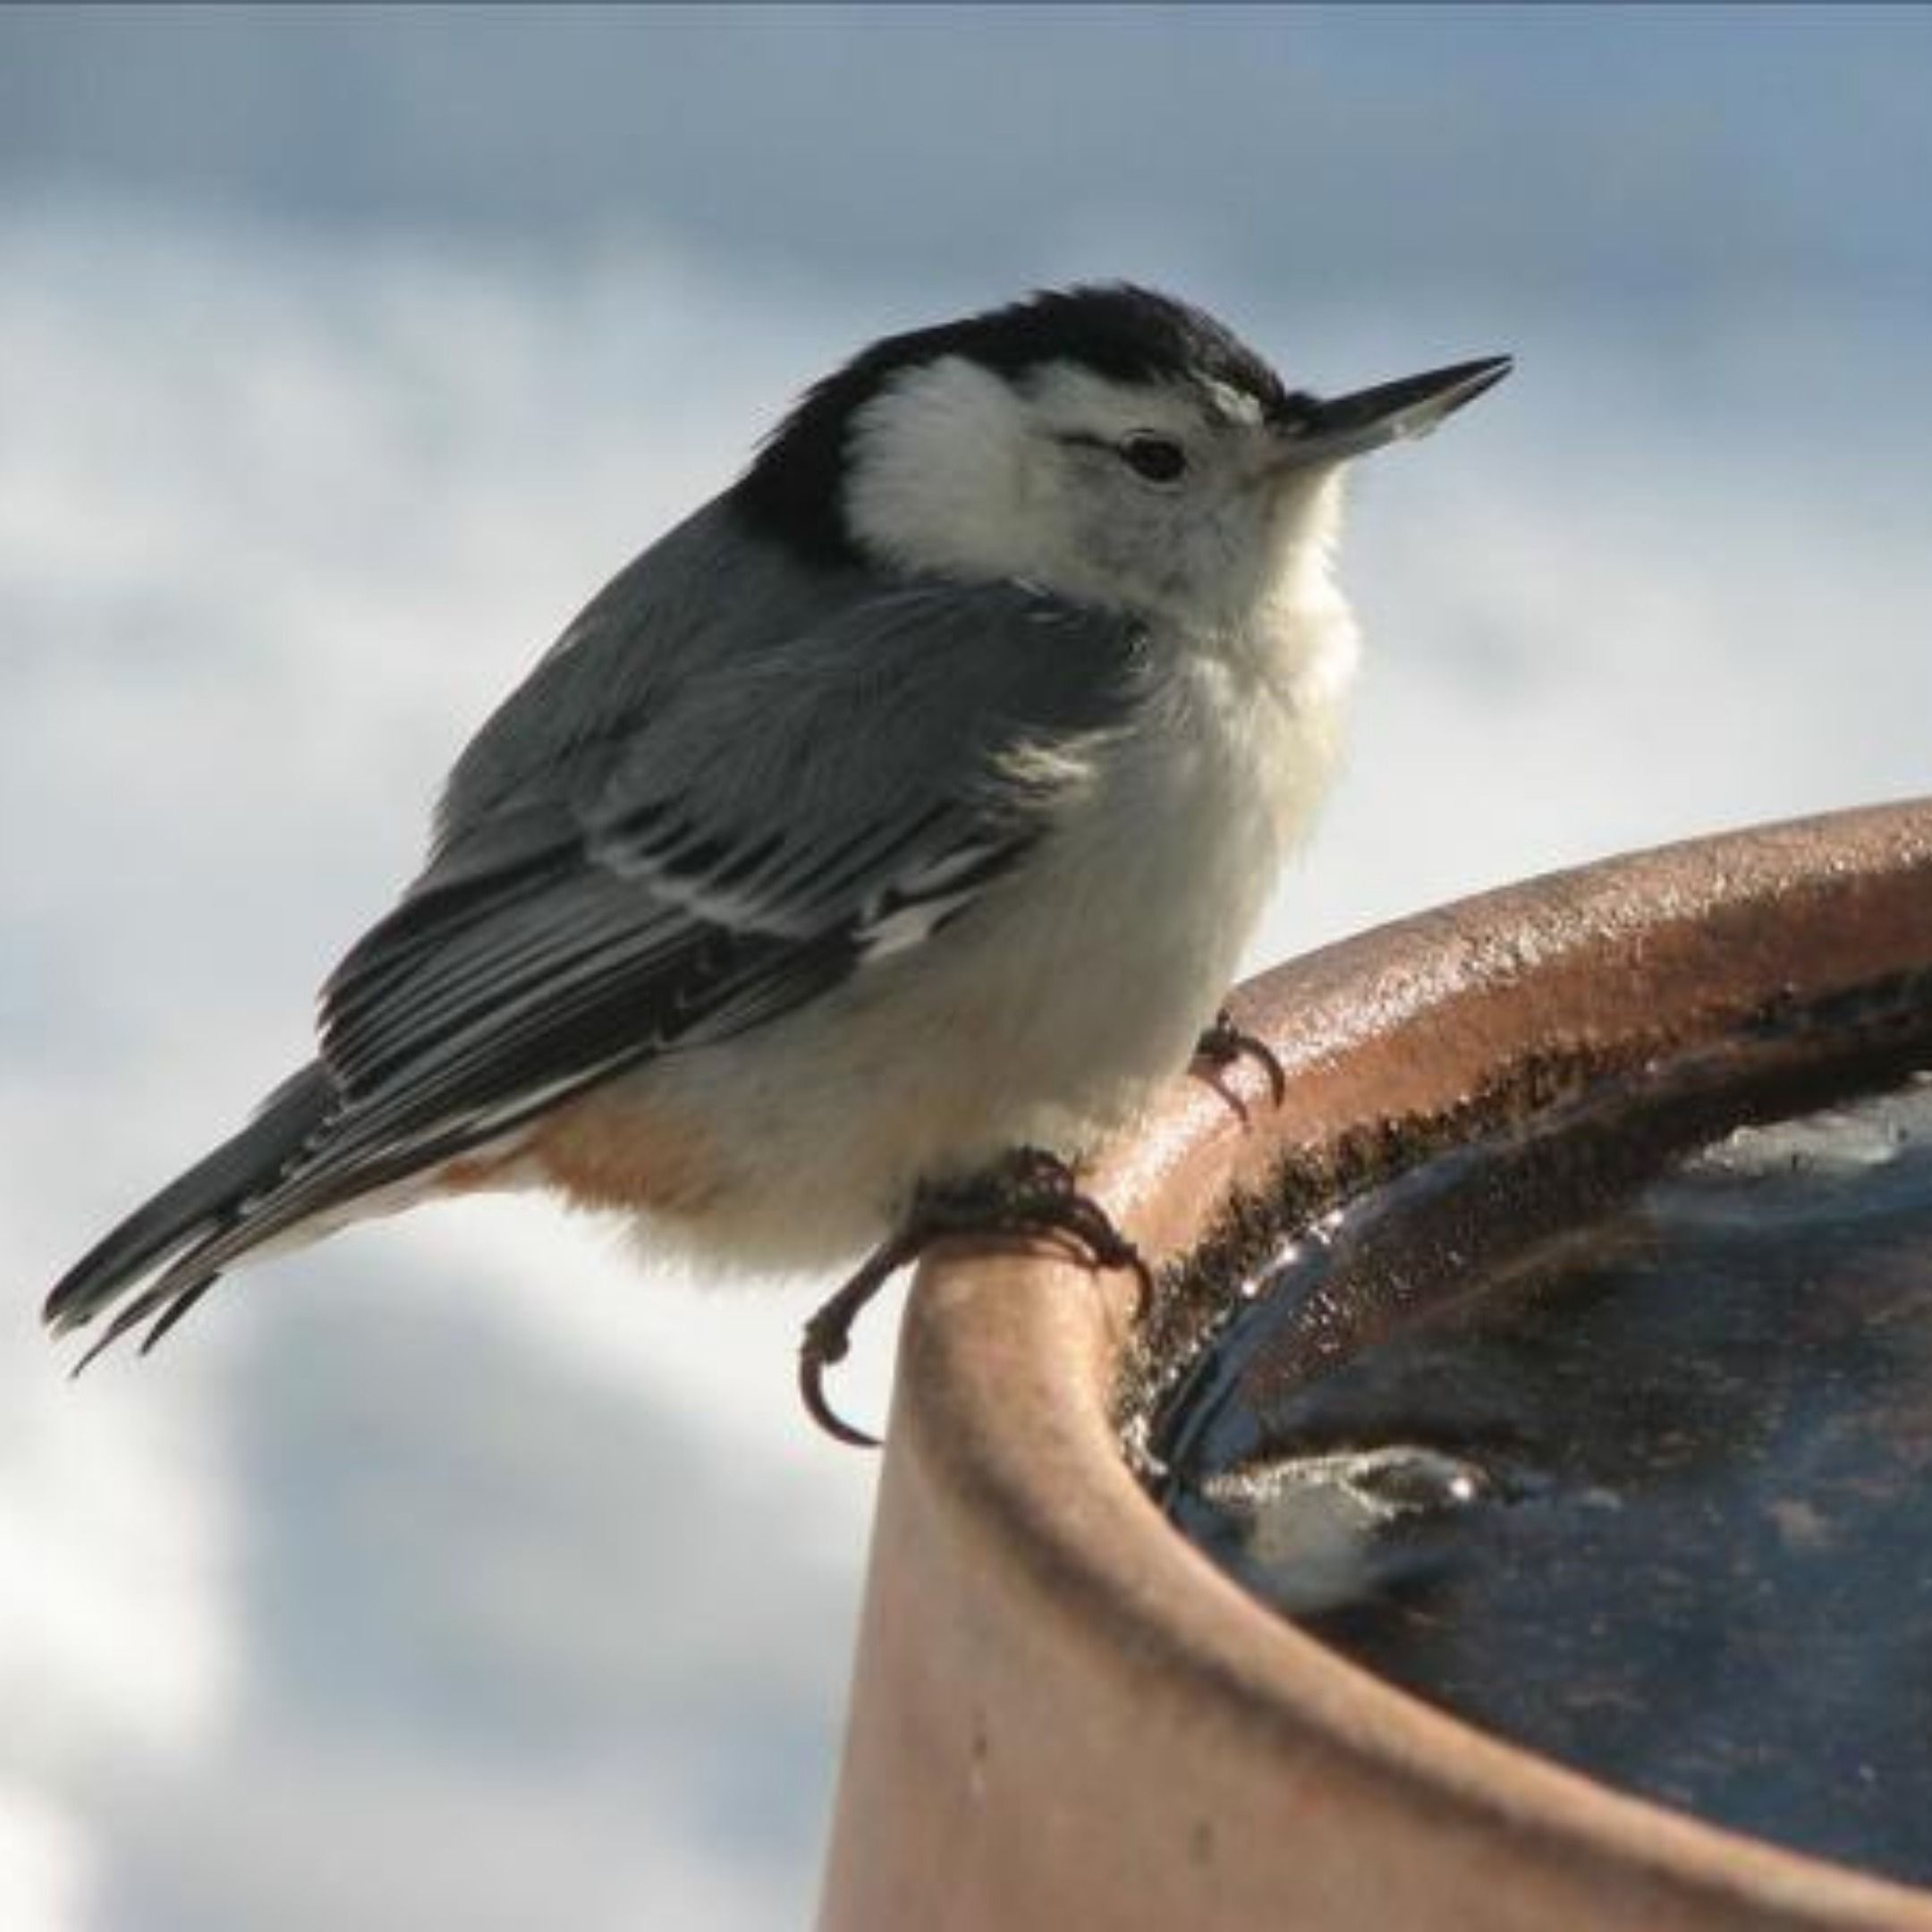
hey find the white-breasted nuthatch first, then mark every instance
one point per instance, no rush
(872, 846)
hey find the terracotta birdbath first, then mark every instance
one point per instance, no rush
(1066, 1713)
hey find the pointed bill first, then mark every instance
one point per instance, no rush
(1332, 430)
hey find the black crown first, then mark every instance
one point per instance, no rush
(792, 490)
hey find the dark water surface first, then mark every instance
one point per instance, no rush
(1651, 1494)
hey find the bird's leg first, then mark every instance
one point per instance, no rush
(1223, 1042)
(1028, 1192)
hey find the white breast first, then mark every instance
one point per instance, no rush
(1049, 1014)
(1150, 898)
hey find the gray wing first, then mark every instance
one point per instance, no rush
(775, 825)
(655, 626)
(666, 836)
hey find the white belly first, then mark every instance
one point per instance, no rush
(1052, 1010)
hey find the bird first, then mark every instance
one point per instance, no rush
(872, 848)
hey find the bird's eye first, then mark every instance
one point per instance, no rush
(1157, 458)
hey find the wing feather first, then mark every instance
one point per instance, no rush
(659, 845)
(822, 809)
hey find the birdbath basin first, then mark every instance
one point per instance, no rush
(1509, 1512)
(1611, 1433)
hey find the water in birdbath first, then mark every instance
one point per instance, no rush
(1629, 1458)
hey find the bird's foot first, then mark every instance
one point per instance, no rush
(1223, 1042)
(1030, 1192)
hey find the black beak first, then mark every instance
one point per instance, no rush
(1412, 406)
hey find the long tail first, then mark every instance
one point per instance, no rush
(208, 1209)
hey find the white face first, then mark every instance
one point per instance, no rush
(1172, 498)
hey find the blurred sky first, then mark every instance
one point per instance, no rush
(459, 1573)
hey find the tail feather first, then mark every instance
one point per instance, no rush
(207, 1205)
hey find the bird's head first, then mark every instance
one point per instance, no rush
(1111, 445)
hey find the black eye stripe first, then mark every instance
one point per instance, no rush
(1157, 458)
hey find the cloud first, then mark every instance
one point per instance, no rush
(45, 1866)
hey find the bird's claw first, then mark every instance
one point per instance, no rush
(1224, 1041)
(1030, 1192)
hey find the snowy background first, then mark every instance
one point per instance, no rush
(458, 1575)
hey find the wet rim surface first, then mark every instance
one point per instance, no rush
(1618, 1116)
(1016, 1372)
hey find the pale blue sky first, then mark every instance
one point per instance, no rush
(1591, 154)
